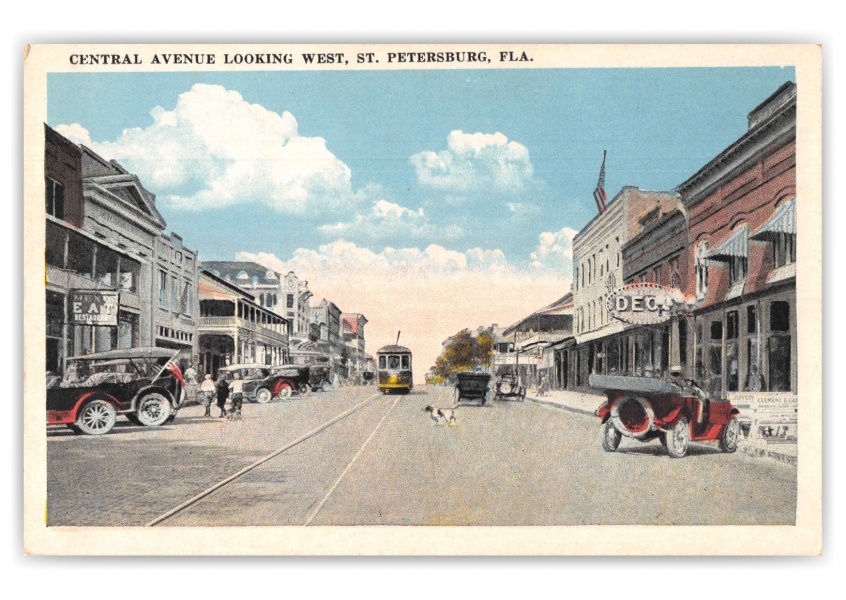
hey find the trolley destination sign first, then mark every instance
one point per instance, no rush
(642, 303)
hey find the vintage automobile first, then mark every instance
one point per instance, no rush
(263, 383)
(645, 408)
(143, 384)
(508, 386)
(294, 379)
(320, 378)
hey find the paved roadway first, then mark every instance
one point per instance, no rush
(385, 464)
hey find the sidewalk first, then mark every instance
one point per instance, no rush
(585, 404)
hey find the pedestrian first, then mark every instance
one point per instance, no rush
(190, 377)
(222, 388)
(236, 391)
(207, 393)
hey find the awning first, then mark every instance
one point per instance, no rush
(783, 221)
(736, 245)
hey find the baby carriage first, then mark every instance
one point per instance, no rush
(235, 404)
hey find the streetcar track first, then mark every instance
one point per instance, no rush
(224, 482)
(331, 490)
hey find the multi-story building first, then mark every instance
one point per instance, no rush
(598, 271)
(742, 272)
(260, 282)
(535, 344)
(297, 310)
(327, 317)
(235, 329)
(106, 251)
(352, 327)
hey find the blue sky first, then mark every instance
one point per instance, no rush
(658, 125)
(430, 200)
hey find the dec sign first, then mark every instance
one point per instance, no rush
(642, 303)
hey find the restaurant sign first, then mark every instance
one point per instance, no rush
(94, 307)
(643, 303)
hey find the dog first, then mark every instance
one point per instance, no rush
(441, 416)
(234, 413)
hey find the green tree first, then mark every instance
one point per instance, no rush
(464, 352)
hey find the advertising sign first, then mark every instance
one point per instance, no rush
(643, 303)
(94, 308)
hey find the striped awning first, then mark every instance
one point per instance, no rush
(783, 221)
(737, 244)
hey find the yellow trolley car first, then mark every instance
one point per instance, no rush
(394, 369)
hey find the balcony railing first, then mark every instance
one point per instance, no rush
(233, 322)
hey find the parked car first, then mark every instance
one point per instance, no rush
(296, 378)
(645, 408)
(143, 384)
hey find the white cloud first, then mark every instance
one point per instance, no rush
(554, 251)
(215, 149)
(475, 162)
(428, 294)
(387, 220)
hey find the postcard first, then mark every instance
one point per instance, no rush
(422, 299)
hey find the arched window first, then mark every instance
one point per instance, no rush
(701, 269)
(242, 276)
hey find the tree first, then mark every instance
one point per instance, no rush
(464, 352)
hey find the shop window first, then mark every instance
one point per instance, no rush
(290, 301)
(715, 370)
(80, 254)
(614, 356)
(54, 251)
(755, 381)
(717, 330)
(683, 342)
(699, 366)
(779, 353)
(163, 289)
(784, 250)
(55, 314)
(732, 367)
(780, 367)
(127, 332)
(54, 194)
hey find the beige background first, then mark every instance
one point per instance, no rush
(804, 538)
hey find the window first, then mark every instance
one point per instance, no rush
(784, 250)
(738, 267)
(163, 289)
(290, 301)
(187, 298)
(779, 352)
(701, 270)
(55, 245)
(175, 302)
(732, 324)
(80, 254)
(406, 361)
(129, 273)
(717, 330)
(54, 193)
(107, 267)
(656, 275)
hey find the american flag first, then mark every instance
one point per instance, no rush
(172, 366)
(599, 192)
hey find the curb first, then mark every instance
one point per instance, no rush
(748, 450)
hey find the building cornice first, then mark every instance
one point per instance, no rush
(778, 129)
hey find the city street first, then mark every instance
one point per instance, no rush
(384, 463)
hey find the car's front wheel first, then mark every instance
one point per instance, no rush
(153, 410)
(678, 439)
(263, 396)
(285, 391)
(305, 389)
(610, 437)
(730, 436)
(325, 386)
(96, 417)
